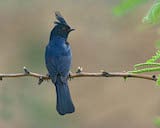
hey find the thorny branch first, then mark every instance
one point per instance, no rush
(80, 73)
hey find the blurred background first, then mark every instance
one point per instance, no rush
(102, 41)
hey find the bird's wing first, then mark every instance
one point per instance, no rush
(51, 65)
(59, 66)
(64, 65)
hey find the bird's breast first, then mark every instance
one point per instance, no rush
(58, 50)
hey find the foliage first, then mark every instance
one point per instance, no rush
(158, 44)
(126, 6)
(157, 122)
(151, 65)
(153, 15)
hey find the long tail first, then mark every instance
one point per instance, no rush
(64, 101)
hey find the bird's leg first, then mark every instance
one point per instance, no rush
(48, 75)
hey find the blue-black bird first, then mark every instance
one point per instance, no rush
(58, 61)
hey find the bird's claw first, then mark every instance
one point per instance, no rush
(70, 76)
(48, 75)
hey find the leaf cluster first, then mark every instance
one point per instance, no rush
(151, 65)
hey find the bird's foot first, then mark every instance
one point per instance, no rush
(41, 78)
(70, 76)
(48, 75)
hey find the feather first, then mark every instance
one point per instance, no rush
(60, 18)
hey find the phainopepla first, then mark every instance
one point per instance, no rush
(58, 61)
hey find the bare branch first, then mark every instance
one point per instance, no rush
(80, 73)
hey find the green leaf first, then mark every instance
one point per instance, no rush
(157, 122)
(158, 44)
(153, 69)
(142, 65)
(153, 15)
(158, 80)
(126, 6)
(154, 58)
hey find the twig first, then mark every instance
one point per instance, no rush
(79, 73)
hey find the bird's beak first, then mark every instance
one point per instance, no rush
(71, 30)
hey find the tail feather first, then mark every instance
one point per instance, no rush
(64, 101)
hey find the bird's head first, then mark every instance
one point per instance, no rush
(61, 28)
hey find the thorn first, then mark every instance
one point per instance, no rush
(154, 77)
(106, 74)
(79, 69)
(26, 70)
(40, 80)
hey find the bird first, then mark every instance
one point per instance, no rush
(58, 59)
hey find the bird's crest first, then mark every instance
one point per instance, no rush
(60, 19)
